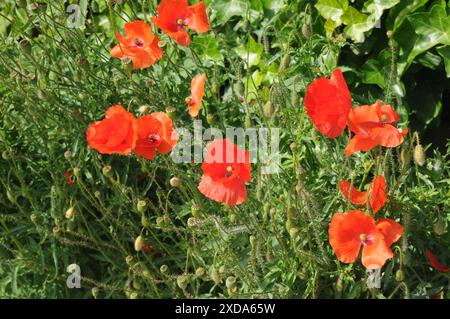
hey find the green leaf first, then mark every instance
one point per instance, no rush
(372, 73)
(433, 25)
(357, 23)
(250, 52)
(400, 12)
(224, 10)
(332, 9)
(208, 50)
(444, 52)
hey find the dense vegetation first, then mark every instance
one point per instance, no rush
(63, 203)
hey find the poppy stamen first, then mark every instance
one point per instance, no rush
(138, 43)
(154, 139)
(189, 101)
(384, 118)
(363, 238)
(229, 171)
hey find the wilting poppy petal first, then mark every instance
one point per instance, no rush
(139, 44)
(391, 230)
(435, 262)
(356, 197)
(115, 134)
(377, 194)
(197, 93)
(328, 104)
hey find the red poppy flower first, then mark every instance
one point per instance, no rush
(139, 44)
(194, 102)
(175, 15)
(115, 134)
(376, 194)
(372, 125)
(68, 177)
(435, 262)
(155, 132)
(225, 170)
(349, 231)
(328, 103)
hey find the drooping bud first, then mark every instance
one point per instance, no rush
(399, 275)
(164, 269)
(230, 282)
(141, 206)
(293, 232)
(175, 182)
(182, 281)
(285, 62)
(439, 227)
(70, 213)
(107, 171)
(215, 276)
(200, 272)
(210, 119)
(10, 196)
(269, 109)
(129, 260)
(68, 155)
(95, 291)
(419, 155)
(195, 210)
(138, 243)
(144, 109)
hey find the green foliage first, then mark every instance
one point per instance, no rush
(55, 80)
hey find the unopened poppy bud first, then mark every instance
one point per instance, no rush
(252, 240)
(239, 89)
(164, 269)
(182, 281)
(192, 221)
(171, 112)
(405, 157)
(162, 44)
(144, 109)
(145, 222)
(293, 232)
(210, 119)
(137, 284)
(222, 270)
(439, 227)
(248, 121)
(138, 243)
(70, 213)
(76, 171)
(389, 34)
(195, 210)
(33, 218)
(97, 194)
(160, 221)
(214, 88)
(129, 260)
(141, 206)
(56, 229)
(419, 155)
(230, 282)
(269, 109)
(175, 182)
(10, 196)
(134, 295)
(94, 292)
(307, 30)
(285, 62)
(126, 61)
(149, 83)
(340, 282)
(68, 155)
(107, 171)
(293, 146)
(294, 98)
(399, 275)
(200, 272)
(215, 276)
(233, 218)
(6, 155)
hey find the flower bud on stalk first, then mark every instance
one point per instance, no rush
(285, 62)
(182, 281)
(215, 276)
(94, 292)
(419, 155)
(144, 109)
(70, 213)
(230, 282)
(141, 206)
(200, 272)
(399, 275)
(210, 119)
(138, 243)
(68, 155)
(164, 269)
(107, 171)
(175, 182)
(171, 112)
(269, 109)
(6, 155)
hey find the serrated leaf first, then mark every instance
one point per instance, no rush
(332, 9)
(433, 25)
(357, 23)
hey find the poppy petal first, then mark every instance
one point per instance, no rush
(356, 197)
(391, 230)
(198, 20)
(359, 143)
(377, 194)
(231, 193)
(375, 254)
(435, 262)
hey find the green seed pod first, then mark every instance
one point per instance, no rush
(399, 275)
(164, 269)
(171, 112)
(200, 272)
(230, 282)
(95, 291)
(182, 281)
(419, 155)
(285, 62)
(141, 206)
(269, 109)
(195, 210)
(76, 171)
(307, 30)
(129, 260)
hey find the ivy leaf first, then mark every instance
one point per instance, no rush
(250, 52)
(433, 25)
(444, 52)
(357, 23)
(332, 10)
(398, 14)
(224, 10)
(372, 73)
